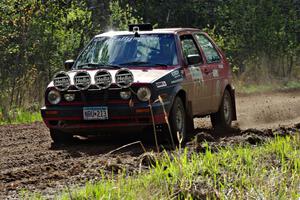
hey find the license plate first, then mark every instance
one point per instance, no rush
(95, 113)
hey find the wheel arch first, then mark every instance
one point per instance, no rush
(182, 94)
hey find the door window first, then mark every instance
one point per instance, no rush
(189, 47)
(209, 50)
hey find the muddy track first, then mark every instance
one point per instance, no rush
(29, 160)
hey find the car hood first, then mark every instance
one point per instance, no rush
(140, 75)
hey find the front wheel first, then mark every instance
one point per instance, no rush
(60, 137)
(178, 121)
(222, 119)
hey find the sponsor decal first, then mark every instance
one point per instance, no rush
(61, 81)
(161, 84)
(196, 73)
(177, 80)
(215, 73)
(124, 78)
(176, 74)
(102, 79)
(83, 80)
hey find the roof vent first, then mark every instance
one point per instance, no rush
(140, 27)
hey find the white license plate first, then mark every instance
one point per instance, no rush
(95, 113)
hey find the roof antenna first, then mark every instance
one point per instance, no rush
(136, 31)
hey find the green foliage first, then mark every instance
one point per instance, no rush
(19, 116)
(261, 39)
(261, 36)
(120, 18)
(36, 37)
(269, 171)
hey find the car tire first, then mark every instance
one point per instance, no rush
(221, 120)
(60, 137)
(178, 121)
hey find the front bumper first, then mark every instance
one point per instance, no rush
(120, 117)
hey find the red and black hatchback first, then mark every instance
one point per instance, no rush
(125, 80)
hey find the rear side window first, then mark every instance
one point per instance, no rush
(189, 46)
(209, 50)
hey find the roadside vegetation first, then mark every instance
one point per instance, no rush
(249, 88)
(20, 116)
(264, 171)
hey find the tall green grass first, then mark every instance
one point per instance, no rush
(20, 116)
(269, 171)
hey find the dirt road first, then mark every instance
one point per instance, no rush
(28, 159)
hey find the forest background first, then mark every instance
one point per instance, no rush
(261, 38)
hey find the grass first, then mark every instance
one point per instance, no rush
(20, 116)
(269, 171)
(266, 87)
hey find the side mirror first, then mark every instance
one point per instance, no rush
(69, 64)
(193, 59)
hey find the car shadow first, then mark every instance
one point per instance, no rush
(133, 145)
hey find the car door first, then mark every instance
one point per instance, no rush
(197, 80)
(213, 69)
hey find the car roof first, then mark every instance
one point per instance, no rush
(154, 31)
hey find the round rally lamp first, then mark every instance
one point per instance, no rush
(144, 94)
(103, 79)
(124, 78)
(61, 81)
(125, 95)
(69, 97)
(82, 80)
(54, 97)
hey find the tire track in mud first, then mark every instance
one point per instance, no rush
(29, 160)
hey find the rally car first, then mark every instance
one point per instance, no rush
(140, 79)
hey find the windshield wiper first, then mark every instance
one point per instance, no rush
(97, 65)
(113, 66)
(138, 63)
(160, 64)
(135, 63)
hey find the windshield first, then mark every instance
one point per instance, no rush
(128, 50)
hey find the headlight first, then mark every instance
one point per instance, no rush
(125, 95)
(54, 97)
(144, 94)
(69, 97)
